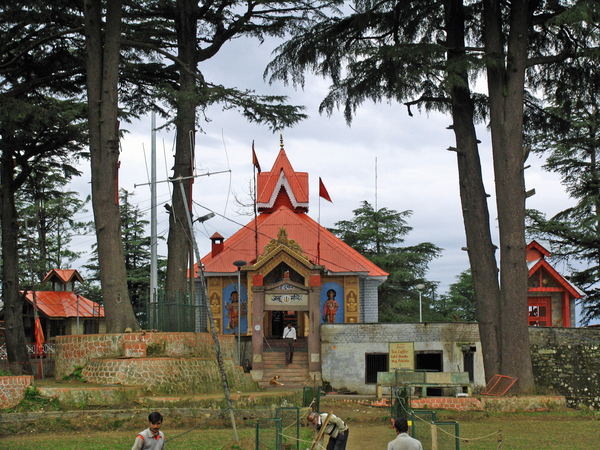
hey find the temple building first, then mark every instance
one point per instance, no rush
(292, 270)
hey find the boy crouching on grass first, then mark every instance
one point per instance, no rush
(151, 438)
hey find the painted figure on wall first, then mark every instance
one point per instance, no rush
(233, 310)
(330, 308)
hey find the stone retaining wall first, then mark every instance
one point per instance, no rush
(169, 375)
(12, 390)
(504, 404)
(74, 351)
(567, 360)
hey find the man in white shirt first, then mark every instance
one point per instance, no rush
(403, 441)
(151, 438)
(289, 338)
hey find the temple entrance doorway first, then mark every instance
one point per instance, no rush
(276, 321)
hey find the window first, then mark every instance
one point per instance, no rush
(375, 362)
(539, 314)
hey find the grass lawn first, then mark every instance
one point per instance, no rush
(562, 430)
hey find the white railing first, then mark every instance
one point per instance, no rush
(49, 349)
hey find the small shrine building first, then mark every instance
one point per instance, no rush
(550, 297)
(295, 271)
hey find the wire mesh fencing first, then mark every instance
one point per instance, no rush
(311, 397)
(436, 435)
(268, 434)
(290, 427)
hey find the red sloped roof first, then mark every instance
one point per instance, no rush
(268, 184)
(65, 275)
(336, 255)
(535, 250)
(557, 277)
(64, 304)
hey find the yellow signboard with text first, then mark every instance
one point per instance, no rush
(402, 355)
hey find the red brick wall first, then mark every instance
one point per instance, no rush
(12, 390)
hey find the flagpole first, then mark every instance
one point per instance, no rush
(255, 217)
(319, 233)
(254, 164)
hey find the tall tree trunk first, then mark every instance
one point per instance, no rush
(506, 75)
(473, 197)
(179, 235)
(103, 53)
(16, 348)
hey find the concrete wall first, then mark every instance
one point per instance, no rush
(71, 325)
(344, 348)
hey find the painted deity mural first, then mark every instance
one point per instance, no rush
(235, 310)
(332, 303)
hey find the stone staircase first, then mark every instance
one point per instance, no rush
(293, 375)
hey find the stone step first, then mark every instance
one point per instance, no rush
(298, 357)
(280, 344)
(286, 368)
(267, 386)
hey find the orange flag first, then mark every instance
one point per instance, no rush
(323, 192)
(39, 336)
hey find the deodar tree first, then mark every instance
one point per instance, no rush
(103, 45)
(428, 54)
(379, 235)
(39, 127)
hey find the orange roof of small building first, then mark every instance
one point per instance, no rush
(64, 304)
(65, 275)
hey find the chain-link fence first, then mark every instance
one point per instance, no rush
(174, 312)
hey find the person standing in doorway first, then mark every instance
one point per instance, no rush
(289, 338)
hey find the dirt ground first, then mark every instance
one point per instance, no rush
(367, 423)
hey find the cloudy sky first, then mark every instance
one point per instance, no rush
(387, 157)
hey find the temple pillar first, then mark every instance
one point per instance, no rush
(314, 328)
(258, 307)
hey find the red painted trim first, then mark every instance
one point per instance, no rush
(566, 310)
(542, 263)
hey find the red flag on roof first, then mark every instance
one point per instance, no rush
(39, 337)
(255, 159)
(323, 192)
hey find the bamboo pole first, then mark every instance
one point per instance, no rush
(210, 318)
(321, 431)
